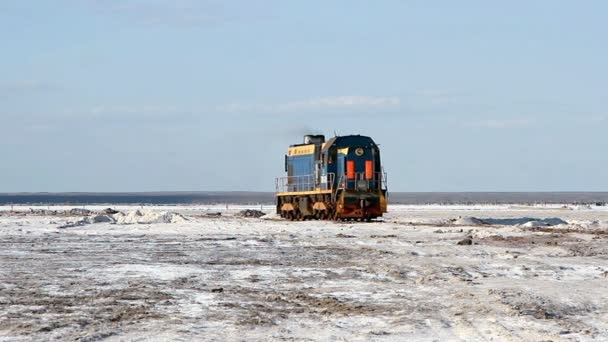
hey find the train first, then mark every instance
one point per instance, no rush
(338, 179)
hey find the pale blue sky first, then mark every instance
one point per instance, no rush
(206, 95)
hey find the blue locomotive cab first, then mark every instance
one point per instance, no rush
(356, 162)
(341, 178)
(299, 165)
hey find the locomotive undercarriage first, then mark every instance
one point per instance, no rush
(341, 205)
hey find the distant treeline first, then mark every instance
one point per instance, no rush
(169, 198)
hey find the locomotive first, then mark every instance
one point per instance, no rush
(338, 179)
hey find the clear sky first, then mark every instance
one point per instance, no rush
(154, 95)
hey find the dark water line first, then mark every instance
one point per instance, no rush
(184, 198)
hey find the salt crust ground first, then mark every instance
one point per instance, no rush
(233, 278)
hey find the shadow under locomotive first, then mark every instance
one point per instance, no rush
(341, 178)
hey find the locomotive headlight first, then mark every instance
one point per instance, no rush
(362, 185)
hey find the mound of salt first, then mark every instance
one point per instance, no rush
(519, 221)
(535, 224)
(148, 216)
(101, 219)
(170, 217)
(79, 212)
(251, 213)
(79, 223)
(553, 221)
(468, 221)
(582, 207)
(90, 220)
(109, 211)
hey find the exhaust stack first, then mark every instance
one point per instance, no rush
(314, 139)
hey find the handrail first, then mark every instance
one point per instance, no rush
(377, 181)
(312, 182)
(340, 186)
(309, 182)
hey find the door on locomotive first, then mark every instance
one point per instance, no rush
(341, 168)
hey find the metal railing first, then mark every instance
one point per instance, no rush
(326, 182)
(305, 183)
(361, 182)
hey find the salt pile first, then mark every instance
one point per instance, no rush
(582, 207)
(132, 217)
(520, 221)
(251, 213)
(148, 216)
(43, 212)
(468, 221)
(90, 220)
(535, 224)
(101, 219)
(79, 212)
(109, 211)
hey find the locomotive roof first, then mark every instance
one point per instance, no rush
(348, 141)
